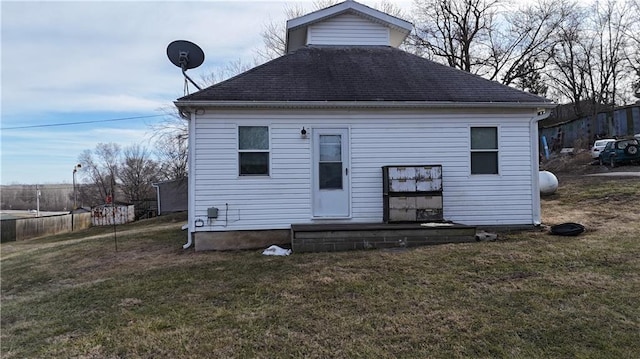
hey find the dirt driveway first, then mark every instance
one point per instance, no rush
(617, 174)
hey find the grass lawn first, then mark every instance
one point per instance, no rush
(527, 295)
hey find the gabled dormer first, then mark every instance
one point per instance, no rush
(347, 23)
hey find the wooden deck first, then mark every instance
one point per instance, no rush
(342, 237)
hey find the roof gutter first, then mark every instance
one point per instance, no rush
(361, 104)
(535, 165)
(191, 205)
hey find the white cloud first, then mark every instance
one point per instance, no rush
(66, 55)
(82, 60)
(85, 60)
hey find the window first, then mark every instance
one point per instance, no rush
(253, 150)
(484, 150)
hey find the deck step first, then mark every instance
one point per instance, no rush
(342, 237)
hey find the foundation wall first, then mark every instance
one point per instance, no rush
(234, 240)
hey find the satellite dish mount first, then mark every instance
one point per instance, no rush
(186, 55)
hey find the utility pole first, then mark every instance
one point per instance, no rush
(113, 209)
(37, 201)
(75, 196)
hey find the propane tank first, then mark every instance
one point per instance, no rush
(548, 183)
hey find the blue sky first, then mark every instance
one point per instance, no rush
(83, 61)
(102, 61)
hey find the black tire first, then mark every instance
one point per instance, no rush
(631, 150)
(567, 229)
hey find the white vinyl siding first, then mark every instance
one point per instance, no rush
(249, 202)
(377, 138)
(348, 30)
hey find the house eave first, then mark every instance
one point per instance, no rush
(297, 27)
(360, 104)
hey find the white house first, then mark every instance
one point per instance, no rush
(302, 139)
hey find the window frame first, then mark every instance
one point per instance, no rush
(495, 151)
(239, 151)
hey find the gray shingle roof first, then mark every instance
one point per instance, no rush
(359, 73)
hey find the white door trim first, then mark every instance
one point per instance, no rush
(331, 203)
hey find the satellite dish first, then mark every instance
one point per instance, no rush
(186, 55)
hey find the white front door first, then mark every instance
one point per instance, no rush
(331, 172)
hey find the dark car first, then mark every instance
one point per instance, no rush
(620, 151)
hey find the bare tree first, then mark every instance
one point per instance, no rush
(489, 38)
(390, 8)
(586, 50)
(172, 153)
(99, 171)
(529, 78)
(610, 20)
(171, 137)
(590, 59)
(273, 35)
(632, 52)
(173, 124)
(28, 195)
(456, 32)
(568, 58)
(137, 173)
(519, 49)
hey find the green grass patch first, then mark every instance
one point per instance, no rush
(595, 189)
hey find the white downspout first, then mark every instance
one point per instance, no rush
(535, 165)
(192, 179)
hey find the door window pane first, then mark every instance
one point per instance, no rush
(330, 148)
(330, 164)
(331, 175)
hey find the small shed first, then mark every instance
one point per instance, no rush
(110, 214)
(172, 196)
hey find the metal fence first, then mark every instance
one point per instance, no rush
(623, 121)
